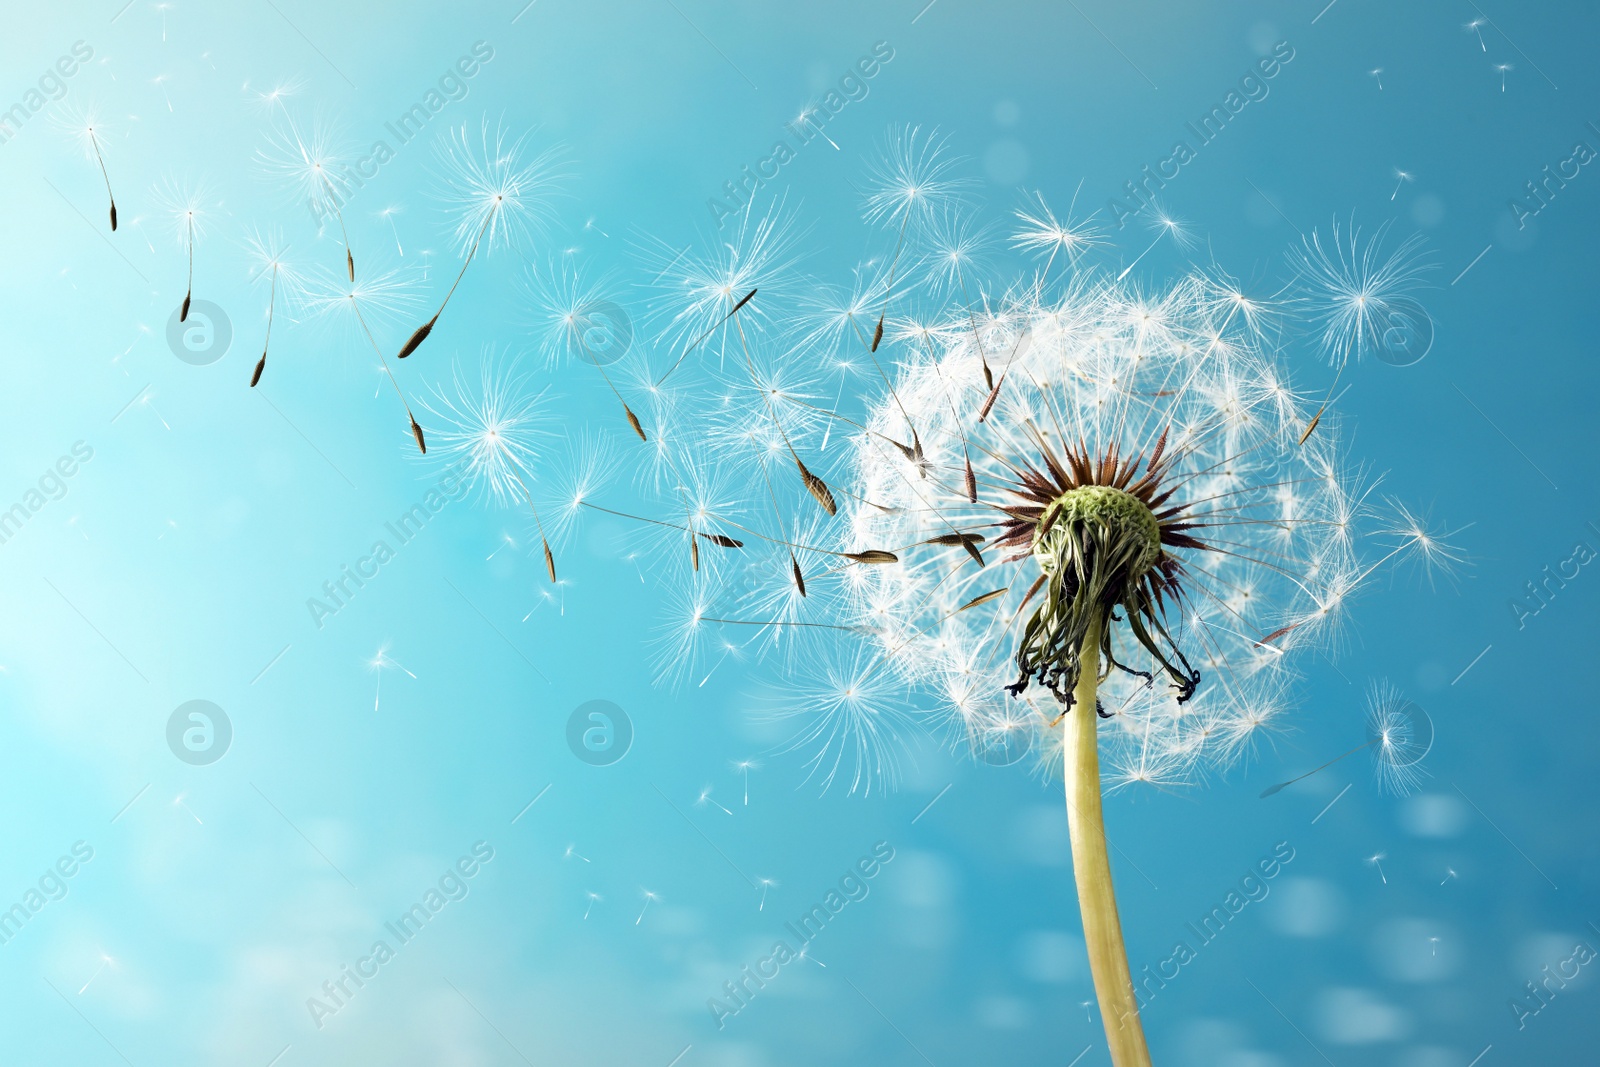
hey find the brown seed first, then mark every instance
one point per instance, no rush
(549, 560)
(1311, 427)
(694, 552)
(972, 483)
(722, 540)
(743, 300)
(417, 338)
(633, 420)
(350, 264)
(1274, 635)
(113, 216)
(261, 365)
(183, 312)
(818, 489)
(994, 394)
(877, 334)
(954, 539)
(988, 375)
(872, 555)
(416, 431)
(983, 598)
(799, 579)
(905, 450)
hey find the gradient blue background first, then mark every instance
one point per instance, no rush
(226, 894)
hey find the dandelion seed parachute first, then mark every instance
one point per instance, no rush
(497, 196)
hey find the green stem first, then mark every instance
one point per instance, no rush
(1097, 902)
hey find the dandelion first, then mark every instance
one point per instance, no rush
(496, 196)
(184, 206)
(594, 898)
(1376, 73)
(1503, 69)
(492, 434)
(1476, 27)
(766, 884)
(1376, 860)
(1108, 556)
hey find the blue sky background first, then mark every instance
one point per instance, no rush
(177, 564)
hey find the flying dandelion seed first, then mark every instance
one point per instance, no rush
(380, 662)
(594, 898)
(572, 317)
(309, 166)
(1476, 27)
(705, 798)
(744, 767)
(387, 215)
(911, 182)
(1376, 860)
(807, 120)
(766, 884)
(648, 898)
(1503, 69)
(1377, 74)
(1400, 734)
(496, 197)
(160, 82)
(267, 251)
(88, 130)
(1401, 177)
(379, 297)
(1166, 226)
(1351, 293)
(105, 961)
(506, 541)
(1449, 873)
(177, 802)
(492, 434)
(185, 208)
(572, 852)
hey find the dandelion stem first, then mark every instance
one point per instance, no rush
(1097, 902)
